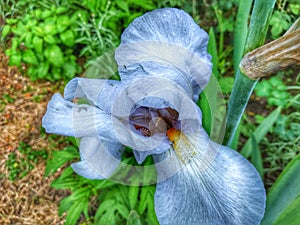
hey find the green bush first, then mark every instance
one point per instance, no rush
(274, 90)
(44, 41)
(49, 37)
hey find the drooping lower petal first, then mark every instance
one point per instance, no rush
(66, 118)
(213, 185)
(99, 158)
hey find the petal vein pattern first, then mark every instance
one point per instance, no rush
(216, 185)
(167, 38)
(66, 118)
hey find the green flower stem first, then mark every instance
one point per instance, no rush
(243, 86)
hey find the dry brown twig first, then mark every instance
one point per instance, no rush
(274, 56)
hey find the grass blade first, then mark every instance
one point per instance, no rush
(261, 131)
(283, 200)
(212, 50)
(240, 31)
(243, 86)
(256, 158)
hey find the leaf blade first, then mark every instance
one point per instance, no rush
(283, 193)
(261, 131)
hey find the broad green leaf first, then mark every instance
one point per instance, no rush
(75, 211)
(283, 198)
(65, 204)
(69, 69)
(108, 218)
(5, 31)
(123, 5)
(15, 60)
(68, 172)
(55, 55)
(59, 158)
(104, 184)
(133, 218)
(256, 156)
(69, 183)
(291, 215)
(30, 58)
(146, 199)
(261, 131)
(143, 203)
(107, 205)
(133, 196)
(152, 219)
(151, 215)
(80, 195)
(123, 193)
(212, 105)
(68, 38)
(123, 210)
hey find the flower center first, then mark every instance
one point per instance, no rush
(146, 121)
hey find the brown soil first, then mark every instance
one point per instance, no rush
(29, 200)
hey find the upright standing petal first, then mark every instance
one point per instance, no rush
(215, 185)
(166, 37)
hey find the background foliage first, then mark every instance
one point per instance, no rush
(56, 40)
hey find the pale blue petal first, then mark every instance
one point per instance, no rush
(99, 158)
(156, 70)
(58, 117)
(168, 37)
(140, 156)
(101, 93)
(83, 169)
(66, 118)
(219, 187)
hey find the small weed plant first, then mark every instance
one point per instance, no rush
(21, 162)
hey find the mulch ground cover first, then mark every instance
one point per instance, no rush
(28, 200)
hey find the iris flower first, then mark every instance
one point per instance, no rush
(164, 65)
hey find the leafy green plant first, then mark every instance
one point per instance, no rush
(44, 41)
(274, 90)
(20, 163)
(49, 37)
(221, 54)
(283, 198)
(282, 145)
(100, 24)
(100, 201)
(285, 12)
(287, 127)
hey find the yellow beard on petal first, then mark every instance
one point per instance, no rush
(182, 145)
